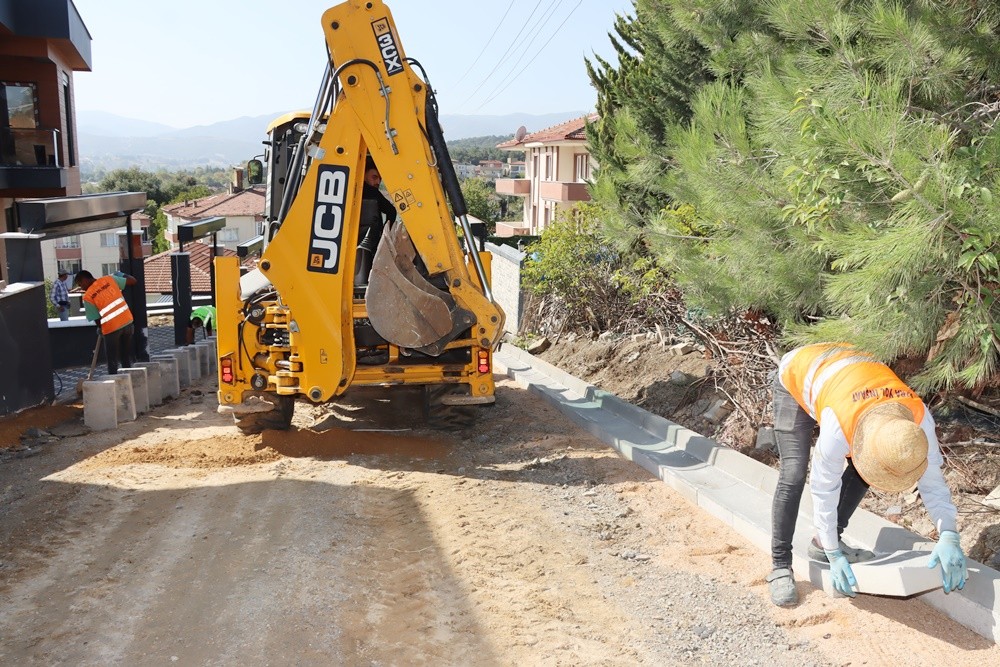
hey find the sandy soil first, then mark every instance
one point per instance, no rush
(175, 540)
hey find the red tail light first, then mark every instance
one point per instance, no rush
(484, 361)
(226, 369)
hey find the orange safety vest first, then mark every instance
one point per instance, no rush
(845, 379)
(105, 295)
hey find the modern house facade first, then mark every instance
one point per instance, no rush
(42, 42)
(558, 167)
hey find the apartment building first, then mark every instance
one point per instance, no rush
(97, 252)
(558, 167)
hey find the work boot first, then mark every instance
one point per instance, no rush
(781, 585)
(853, 554)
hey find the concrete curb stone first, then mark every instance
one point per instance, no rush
(734, 487)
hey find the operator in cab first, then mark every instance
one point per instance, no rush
(374, 205)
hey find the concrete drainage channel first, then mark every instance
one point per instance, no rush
(738, 490)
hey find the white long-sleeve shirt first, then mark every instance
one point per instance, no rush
(830, 459)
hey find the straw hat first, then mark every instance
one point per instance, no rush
(889, 449)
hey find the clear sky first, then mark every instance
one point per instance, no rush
(195, 62)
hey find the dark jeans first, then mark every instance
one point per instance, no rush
(793, 428)
(118, 349)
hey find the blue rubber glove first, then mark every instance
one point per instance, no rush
(841, 573)
(948, 553)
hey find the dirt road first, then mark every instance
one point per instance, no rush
(177, 541)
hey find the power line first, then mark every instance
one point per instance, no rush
(535, 55)
(488, 42)
(543, 21)
(504, 55)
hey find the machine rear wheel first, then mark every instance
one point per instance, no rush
(279, 418)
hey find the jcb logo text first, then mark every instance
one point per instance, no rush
(328, 218)
(387, 45)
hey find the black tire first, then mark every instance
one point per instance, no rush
(277, 419)
(440, 415)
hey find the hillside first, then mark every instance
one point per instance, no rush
(108, 141)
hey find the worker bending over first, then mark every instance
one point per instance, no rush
(104, 303)
(873, 430)
(201, 317)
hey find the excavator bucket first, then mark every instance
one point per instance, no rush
(403, 307)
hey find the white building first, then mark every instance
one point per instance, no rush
(558, 169)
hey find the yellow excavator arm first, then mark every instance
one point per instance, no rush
(298, 324)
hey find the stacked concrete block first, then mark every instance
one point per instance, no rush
(182, 361)
(170, 374)
(140, 388)
(206, 354)
(154, 381)
(194, 364)
(100, 405)
(124, 400)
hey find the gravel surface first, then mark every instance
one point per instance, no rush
(362, 538)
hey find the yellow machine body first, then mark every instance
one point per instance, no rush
(299, 325)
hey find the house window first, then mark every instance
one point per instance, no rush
(20, 105)
(68, 108)
(581, 167)
(145, 236)
(109, 240)
(108, 269)
(68, 242)
(19, 143)
(548, 167)
(229, 235)
(70, 266)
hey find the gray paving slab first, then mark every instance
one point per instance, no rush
(736, 489)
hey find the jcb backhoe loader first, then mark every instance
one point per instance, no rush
(311, 321)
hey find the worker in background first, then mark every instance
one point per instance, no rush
(201, 317)
(60, 295)
(104, 303)
(374, 205)
(873, 431)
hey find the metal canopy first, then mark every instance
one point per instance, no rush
(251, 247)
(192, 231)
(57, 217)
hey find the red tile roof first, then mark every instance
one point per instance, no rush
(248, 202)
(157, 269)
(571, 130)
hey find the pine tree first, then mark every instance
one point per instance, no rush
(649, 89)
(841, 159)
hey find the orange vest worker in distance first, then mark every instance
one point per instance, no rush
(104, 302)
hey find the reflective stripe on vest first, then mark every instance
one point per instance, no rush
(105, 295)
(845, 379)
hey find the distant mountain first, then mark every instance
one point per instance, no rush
(108, 141)
(105, 124)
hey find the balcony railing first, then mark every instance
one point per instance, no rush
(513, 186)
(29, 147)
(561, 191)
